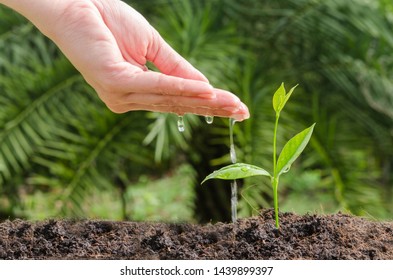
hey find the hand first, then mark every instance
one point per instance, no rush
(109, 43)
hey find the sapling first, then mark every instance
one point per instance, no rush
(290, 152)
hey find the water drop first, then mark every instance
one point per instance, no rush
(180, 124)
(286, 169)
(209, 119)
(245, 169)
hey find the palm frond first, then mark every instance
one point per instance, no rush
(25, 106)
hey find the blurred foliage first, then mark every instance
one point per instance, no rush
(64, 154)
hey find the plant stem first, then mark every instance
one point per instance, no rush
(275, 197)
(275, 176)
(275, 145)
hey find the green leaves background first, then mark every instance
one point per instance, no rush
(62, 152)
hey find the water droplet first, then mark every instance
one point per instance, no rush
(286, 169)
(180, 124)
(209, 119)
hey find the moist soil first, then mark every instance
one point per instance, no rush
(327, 237)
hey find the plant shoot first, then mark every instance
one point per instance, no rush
(289, 153)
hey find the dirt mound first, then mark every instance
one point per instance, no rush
(330, 237)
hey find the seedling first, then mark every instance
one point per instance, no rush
(291, 151)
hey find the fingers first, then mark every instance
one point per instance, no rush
(191, 110)
(132, 89)
(129, 79)
(238, 116)
(169, 62)
(171, 85)
(225, 104)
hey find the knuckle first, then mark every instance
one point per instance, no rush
(161, 85)
(170, 85)
(181, 85)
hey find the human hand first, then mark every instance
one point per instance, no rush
(109, 43)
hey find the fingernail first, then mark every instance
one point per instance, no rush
(245, 109)
(240, 117)
(241, 113)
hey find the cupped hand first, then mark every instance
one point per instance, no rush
(110, 43)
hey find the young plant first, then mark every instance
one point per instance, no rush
(291, 151)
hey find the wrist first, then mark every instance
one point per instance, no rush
(42, 13)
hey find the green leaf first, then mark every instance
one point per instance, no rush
(280, 98)
(287, 96)
(237, 171)
(292, 149)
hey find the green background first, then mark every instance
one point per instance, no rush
(63, 154)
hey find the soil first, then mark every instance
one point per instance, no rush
(327, 237)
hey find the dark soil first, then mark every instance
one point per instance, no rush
(330, 237)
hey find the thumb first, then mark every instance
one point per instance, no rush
(169, 62)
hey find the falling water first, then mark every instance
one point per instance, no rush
(233, 183)
(233, 153)
(231, 142)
